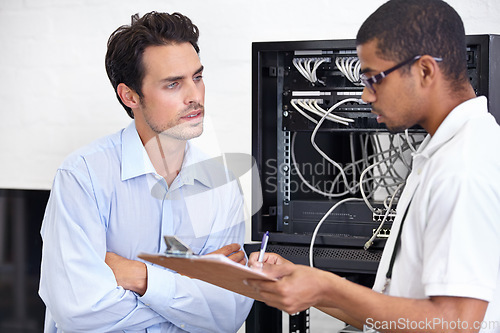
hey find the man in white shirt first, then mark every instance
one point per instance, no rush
(441, 273)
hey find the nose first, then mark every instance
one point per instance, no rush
(368, 96)
(195, 92)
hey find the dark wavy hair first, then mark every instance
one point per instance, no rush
(406, 28)
(126, 46)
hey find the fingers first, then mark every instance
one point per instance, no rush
(228, 249)
(275, 271)
(253, 257)
(269, 258)
(278, 271)
(232, 251)
(238, 257)
(276, 294)
(293, 290)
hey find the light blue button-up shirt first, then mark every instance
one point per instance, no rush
(108, 197)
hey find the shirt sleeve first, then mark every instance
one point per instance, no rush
(461, 237)
(194, 305)
(80, 290)
(76, 285)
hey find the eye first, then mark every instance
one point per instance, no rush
(198, 77)
(172, 85)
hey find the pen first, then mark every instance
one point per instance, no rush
(263, 246)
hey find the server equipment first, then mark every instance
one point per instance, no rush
(330, 174)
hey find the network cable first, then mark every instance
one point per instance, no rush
(303, 65)
(369, 243)
(323, 219)
(350, 67)
(387, 157)
(383, 161)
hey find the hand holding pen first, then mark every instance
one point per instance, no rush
(257, 259)
(263, 246)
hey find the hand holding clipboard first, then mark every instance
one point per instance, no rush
(215, 269)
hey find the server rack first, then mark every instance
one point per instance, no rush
(293, 76)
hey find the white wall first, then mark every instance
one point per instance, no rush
(55, 95)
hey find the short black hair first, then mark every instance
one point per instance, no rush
(126, 46)
(406, 28)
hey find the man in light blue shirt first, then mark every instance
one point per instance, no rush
(117, 197)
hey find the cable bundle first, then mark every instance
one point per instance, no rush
(350, 67)
(308, 67)
(312, 106)
(377, 171)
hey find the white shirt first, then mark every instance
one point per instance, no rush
(108, 197)
(450, 243)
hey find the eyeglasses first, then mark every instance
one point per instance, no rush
(369, 81)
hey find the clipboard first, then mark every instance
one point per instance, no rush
(215, 269)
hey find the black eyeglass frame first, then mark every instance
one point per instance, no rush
(369, 81)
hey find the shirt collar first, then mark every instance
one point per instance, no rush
(195, 166)
(135, 159)
(136, 162)
(462, 113)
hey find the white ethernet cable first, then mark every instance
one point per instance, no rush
(388, 209)
(301, 69)
(350, 67)
(307, 104)
(302, 112)
(314, 189)
(313, 135)
(356, 72)
(335, 181)
(362, 191)
(364, 161)
(312, 106)
(325, 216)
(398, 147)
(303, 65)
(391, 158)
(323, 219)
(307, 67)
(339, 119)
(342, 170)
(401, 151)
(313, 72)
(408, 140)
(395, 153)
(389, 163)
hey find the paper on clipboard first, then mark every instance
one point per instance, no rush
(215, 269)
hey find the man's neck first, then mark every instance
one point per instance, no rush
(443, 105)
(166, 155)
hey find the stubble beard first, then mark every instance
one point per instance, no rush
(396, 129)
(180, 130)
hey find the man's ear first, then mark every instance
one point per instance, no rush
(428, 70)
(128, 96)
